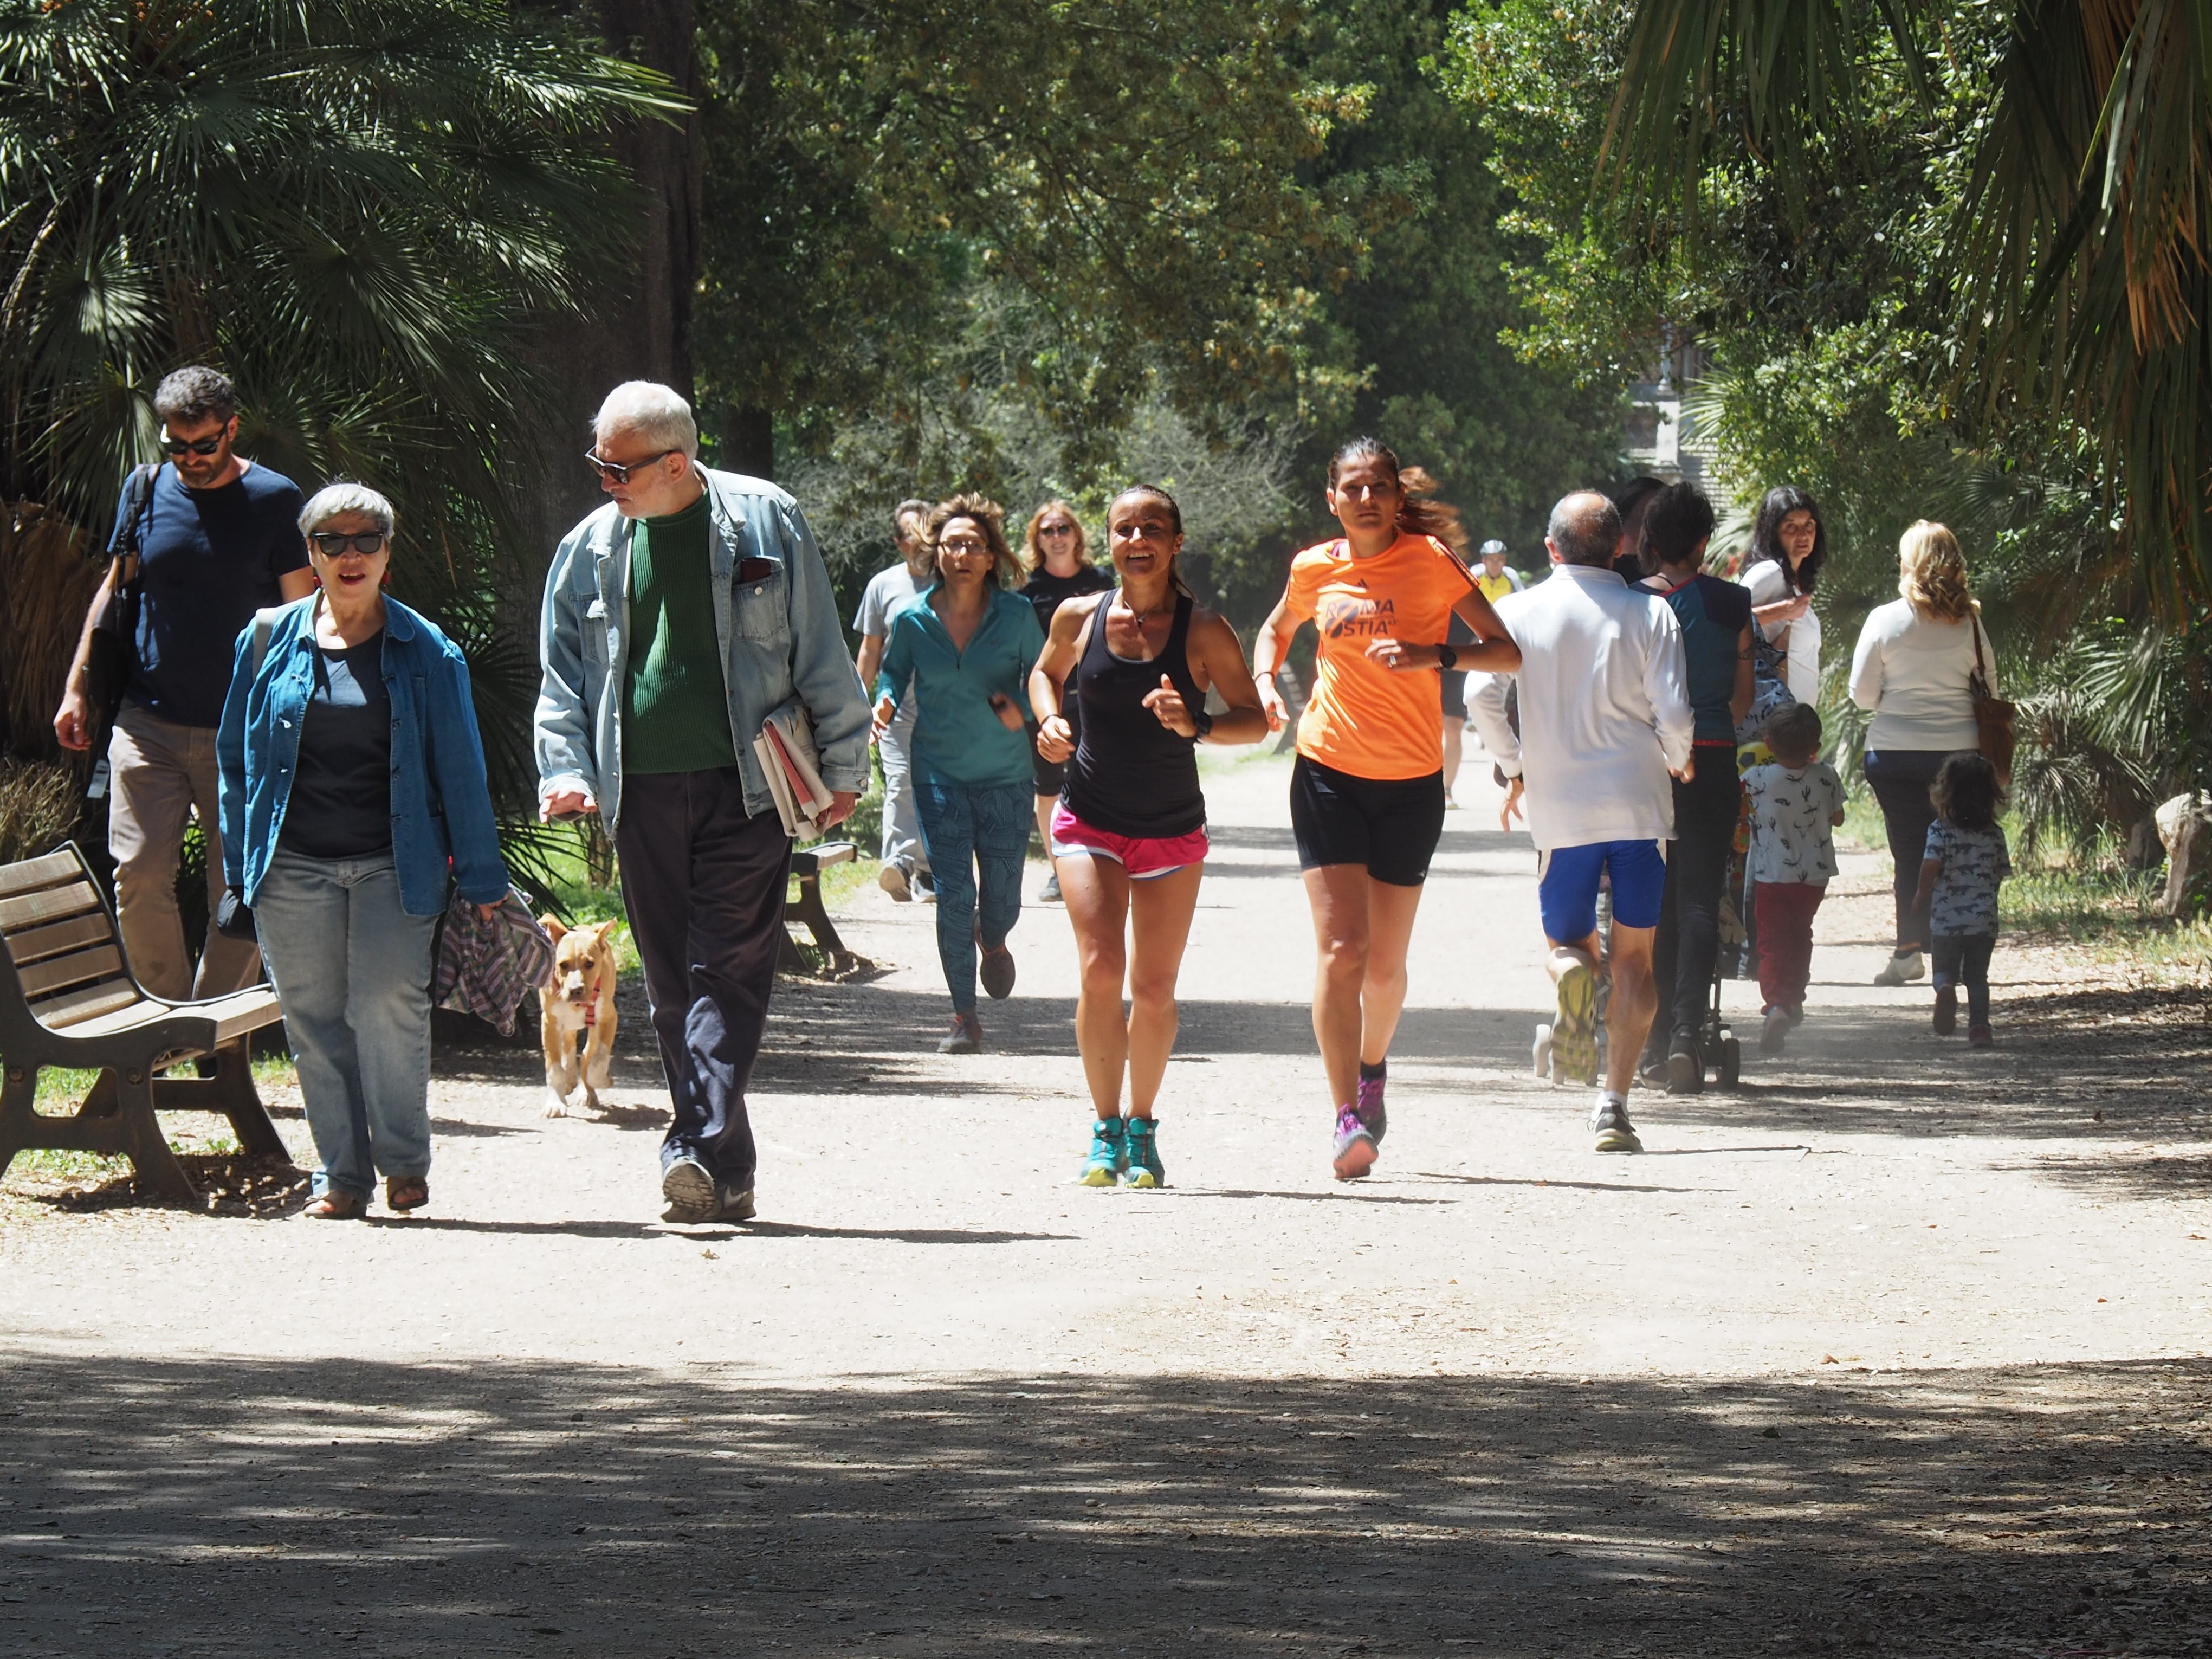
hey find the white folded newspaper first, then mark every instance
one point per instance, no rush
(786, 752)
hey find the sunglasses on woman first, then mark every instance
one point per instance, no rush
(331, 543)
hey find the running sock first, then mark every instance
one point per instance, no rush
(1374, 1074)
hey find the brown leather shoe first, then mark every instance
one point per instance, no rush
(336, 1205)
(406, 1192)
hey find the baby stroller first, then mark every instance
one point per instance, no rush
(1738, 955)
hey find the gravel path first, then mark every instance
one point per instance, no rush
(1898, 1346)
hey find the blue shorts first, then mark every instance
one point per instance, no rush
(1567, 884)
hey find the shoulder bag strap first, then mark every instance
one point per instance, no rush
(138, 500)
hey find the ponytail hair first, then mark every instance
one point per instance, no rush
(1417, 513)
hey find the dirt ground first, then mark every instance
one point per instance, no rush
(1898, 1348)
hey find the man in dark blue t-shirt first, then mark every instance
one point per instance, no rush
(1715, 622)
(218, 537)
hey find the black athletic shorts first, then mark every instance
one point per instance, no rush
(1388, 824)
(1455, 685)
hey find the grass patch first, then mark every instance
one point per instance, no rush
(2109, 912)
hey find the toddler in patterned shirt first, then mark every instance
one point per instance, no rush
(1965, 863)
(1795, 805)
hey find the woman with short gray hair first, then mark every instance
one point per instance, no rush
(352, 783)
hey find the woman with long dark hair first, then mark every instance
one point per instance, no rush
(1367, 791)
(1128, 832)
(1788, 545)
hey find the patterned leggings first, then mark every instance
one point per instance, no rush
(972, 830)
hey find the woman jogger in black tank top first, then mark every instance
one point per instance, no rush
(1128, 837)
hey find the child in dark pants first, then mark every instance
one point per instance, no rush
(1795, 805)
(1965, 862)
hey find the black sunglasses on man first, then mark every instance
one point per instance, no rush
(619, 472)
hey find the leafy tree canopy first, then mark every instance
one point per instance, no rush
(1043, 248)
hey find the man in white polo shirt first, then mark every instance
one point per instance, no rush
(1605, 720)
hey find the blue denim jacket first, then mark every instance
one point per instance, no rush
(775, 616)
(441, 812)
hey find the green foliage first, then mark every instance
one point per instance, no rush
(1136, 177)
(355, 208)
(1046, 249)
(1861, 215)
(2072, 251)
(364, 211)
(1426, 320)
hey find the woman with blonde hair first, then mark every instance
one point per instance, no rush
(962, 651)
(1057, 555)
(1913, 671)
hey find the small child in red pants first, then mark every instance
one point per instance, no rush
(1795, 805)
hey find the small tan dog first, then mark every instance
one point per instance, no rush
(579, 1000)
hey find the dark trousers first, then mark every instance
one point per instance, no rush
(704, 884)
(1785, 910)
(1963, 959)
(1705, 810)
(1899, 778)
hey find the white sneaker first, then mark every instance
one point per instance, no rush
(1904, 966)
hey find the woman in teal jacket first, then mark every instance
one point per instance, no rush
(968, 645)
(352, 794)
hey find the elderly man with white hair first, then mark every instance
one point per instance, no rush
(679, 617)
(1605, 720)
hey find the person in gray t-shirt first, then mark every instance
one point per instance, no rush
(905, 859)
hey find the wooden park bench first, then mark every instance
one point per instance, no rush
(67, 998)
(806, 865)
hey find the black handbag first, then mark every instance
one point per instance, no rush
(112, 651)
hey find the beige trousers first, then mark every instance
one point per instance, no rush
(160, 775)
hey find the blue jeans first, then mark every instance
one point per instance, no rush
(973, 829)
(352, 972)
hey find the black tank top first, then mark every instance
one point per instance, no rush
(1130, 775)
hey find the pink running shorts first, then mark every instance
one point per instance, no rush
(1145, 857)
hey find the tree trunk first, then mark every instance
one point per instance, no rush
(748, 436)
(640, 329)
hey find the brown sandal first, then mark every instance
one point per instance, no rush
(336, 1206)
(406, 1192)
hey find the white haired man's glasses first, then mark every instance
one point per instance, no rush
(619, 471)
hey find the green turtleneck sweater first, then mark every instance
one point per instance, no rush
(676, 708)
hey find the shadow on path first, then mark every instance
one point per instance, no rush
(258, 1508)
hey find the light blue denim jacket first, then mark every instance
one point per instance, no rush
(778, 628)
(442, 822)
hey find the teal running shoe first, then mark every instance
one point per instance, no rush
(1145, 1168)
(1109, 1154)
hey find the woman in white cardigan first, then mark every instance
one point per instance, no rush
(1915, 659)
(1788, 545)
